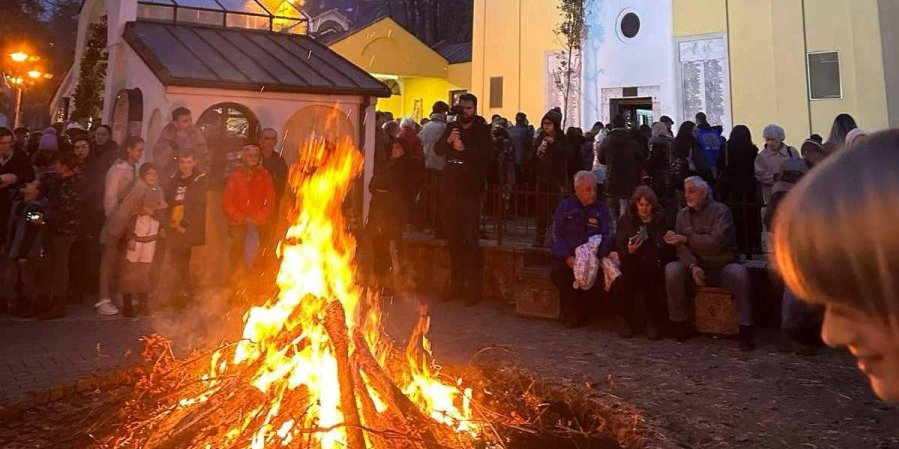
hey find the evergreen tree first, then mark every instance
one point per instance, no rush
(91, 81)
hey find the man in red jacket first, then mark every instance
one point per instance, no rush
(248, 201)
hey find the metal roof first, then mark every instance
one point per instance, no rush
(454, 53)
(243, 59)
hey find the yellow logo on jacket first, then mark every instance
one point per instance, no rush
(592, 221)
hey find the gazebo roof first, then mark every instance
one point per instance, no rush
(244, 59)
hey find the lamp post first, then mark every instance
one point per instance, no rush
(24, 72)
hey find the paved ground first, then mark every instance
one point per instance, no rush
(36, 356)
(702, 394)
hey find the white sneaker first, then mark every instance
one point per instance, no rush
(106, 307)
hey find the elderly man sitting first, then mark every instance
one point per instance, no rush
(574, 222)
(707, 255)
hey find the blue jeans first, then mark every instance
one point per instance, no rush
(732, 277)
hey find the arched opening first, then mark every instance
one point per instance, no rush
(325, 121)
(127, 114)
(227, 128)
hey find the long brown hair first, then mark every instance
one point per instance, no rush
(645, 192)
(836, 239)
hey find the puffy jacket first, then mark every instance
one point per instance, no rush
(64, 210)
(249, 194)
(711, 235)
(574, 224)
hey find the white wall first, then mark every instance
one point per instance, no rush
(645, 61)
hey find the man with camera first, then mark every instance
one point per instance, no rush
(467, 145)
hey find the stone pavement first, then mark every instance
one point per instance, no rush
(703, 393)
(36, 356)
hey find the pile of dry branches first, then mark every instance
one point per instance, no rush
(513, 409)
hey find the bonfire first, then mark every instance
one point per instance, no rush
(315, 369)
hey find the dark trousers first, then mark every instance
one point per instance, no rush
(179, 258)
(461, 214)
(547, 199)
(84, 266)
(640, 278)
(237, 237)
(385, 226)
(575, 304)
(429, 204)
(58, 248)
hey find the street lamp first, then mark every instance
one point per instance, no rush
(24, 72)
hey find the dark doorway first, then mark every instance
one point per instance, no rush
(636, 111)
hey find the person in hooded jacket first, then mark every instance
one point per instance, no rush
(623, 155)
(522, 137)
(550, 160)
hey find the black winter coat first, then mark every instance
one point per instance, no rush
(653, 251)
(466, 171)
(551, 168)
(191, 193)
(622, 153)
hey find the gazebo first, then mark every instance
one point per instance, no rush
(238, 65)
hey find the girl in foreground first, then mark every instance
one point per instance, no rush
(837, 245)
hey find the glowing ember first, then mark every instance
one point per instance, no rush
(314, 352)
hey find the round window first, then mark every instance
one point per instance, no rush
(629, 25)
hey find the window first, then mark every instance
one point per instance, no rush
(496, 92)
(824, 76)
(630, 25)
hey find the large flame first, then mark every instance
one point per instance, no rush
(286, 343)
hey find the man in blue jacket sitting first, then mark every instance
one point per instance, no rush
(576, 220)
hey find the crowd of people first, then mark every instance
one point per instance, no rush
(671, 211)
(85, 218)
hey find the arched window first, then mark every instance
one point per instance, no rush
(127, 114)
(227, 128)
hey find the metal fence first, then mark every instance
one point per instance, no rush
(509, 216)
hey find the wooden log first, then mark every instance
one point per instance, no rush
(391, 394)
(335, 324)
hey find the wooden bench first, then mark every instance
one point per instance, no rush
(716, 311)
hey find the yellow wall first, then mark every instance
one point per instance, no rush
(459, 75)
(768, 59)
(386, 47)
(510, 39)
(692, 17)
(852, 28)
(768, 73)
(767, 47)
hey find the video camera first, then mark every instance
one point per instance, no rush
(454, 113)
